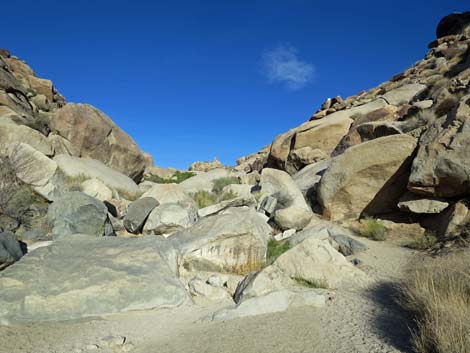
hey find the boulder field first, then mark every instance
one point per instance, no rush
(94, 228)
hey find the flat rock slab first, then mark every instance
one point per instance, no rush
(83, 276)
(277, 301)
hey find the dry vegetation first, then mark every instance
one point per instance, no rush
(437, 293)
(16, 198)
(373, 229)
(205, 198)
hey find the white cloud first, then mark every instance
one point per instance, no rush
(283, 65)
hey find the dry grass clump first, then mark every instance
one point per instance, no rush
(437, 293)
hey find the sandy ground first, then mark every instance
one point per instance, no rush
(354, 320)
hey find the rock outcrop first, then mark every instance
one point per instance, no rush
(98, 137)
(75, 213)
(367, 178)
(88, 277)
(232, 242)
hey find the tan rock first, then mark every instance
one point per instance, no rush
(31, 166)
(11, 133)
(97, 136)
(367, 178)
(97, 189)
(206, 166)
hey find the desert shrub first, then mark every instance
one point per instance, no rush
(182, 176)
(204, 198)
(16, 197)
(41, 124)
(426, 241)
(311, 283)
(276, 249)
(373, 229)
(219, 184)
(437, 294)
(227, 196)
(177, 178)
(426, 116)
(73, 182)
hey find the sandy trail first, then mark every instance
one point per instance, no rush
(354, 320)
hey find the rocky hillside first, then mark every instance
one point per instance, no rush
(402, 146)
(83, 235)
(33, 111)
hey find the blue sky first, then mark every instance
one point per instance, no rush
(190, 80)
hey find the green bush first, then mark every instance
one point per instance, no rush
(219, 184)
(373, 229)
(276, 249)
(204, 198)
(428, 240)
(177, 178)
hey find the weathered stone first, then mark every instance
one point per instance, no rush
(234, 241)
(97, 189)
(241, 190)
(32, 167)
(277, 301)
(41, 86)
(304, 156)
(10, 249)
(404, 94)
(204, 181)
(367, 178)
(368, 127)
(94, 169)
(308, 179)
(137, 213)
(441, 166)
(452, 222)
(62, 146)
(164, 173)
(424, 104)
(12, 134)
(325, 230)
(168, 193)
(323, 134)
(200, 288)
(75, 212)
(206, 166)
(292, 210)
(223, 205)
(452, 24)
(97, 137)
(285, 235)
(313, 261)
(268, 204)
(169, 218)
(418, 204)
(88, 277)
